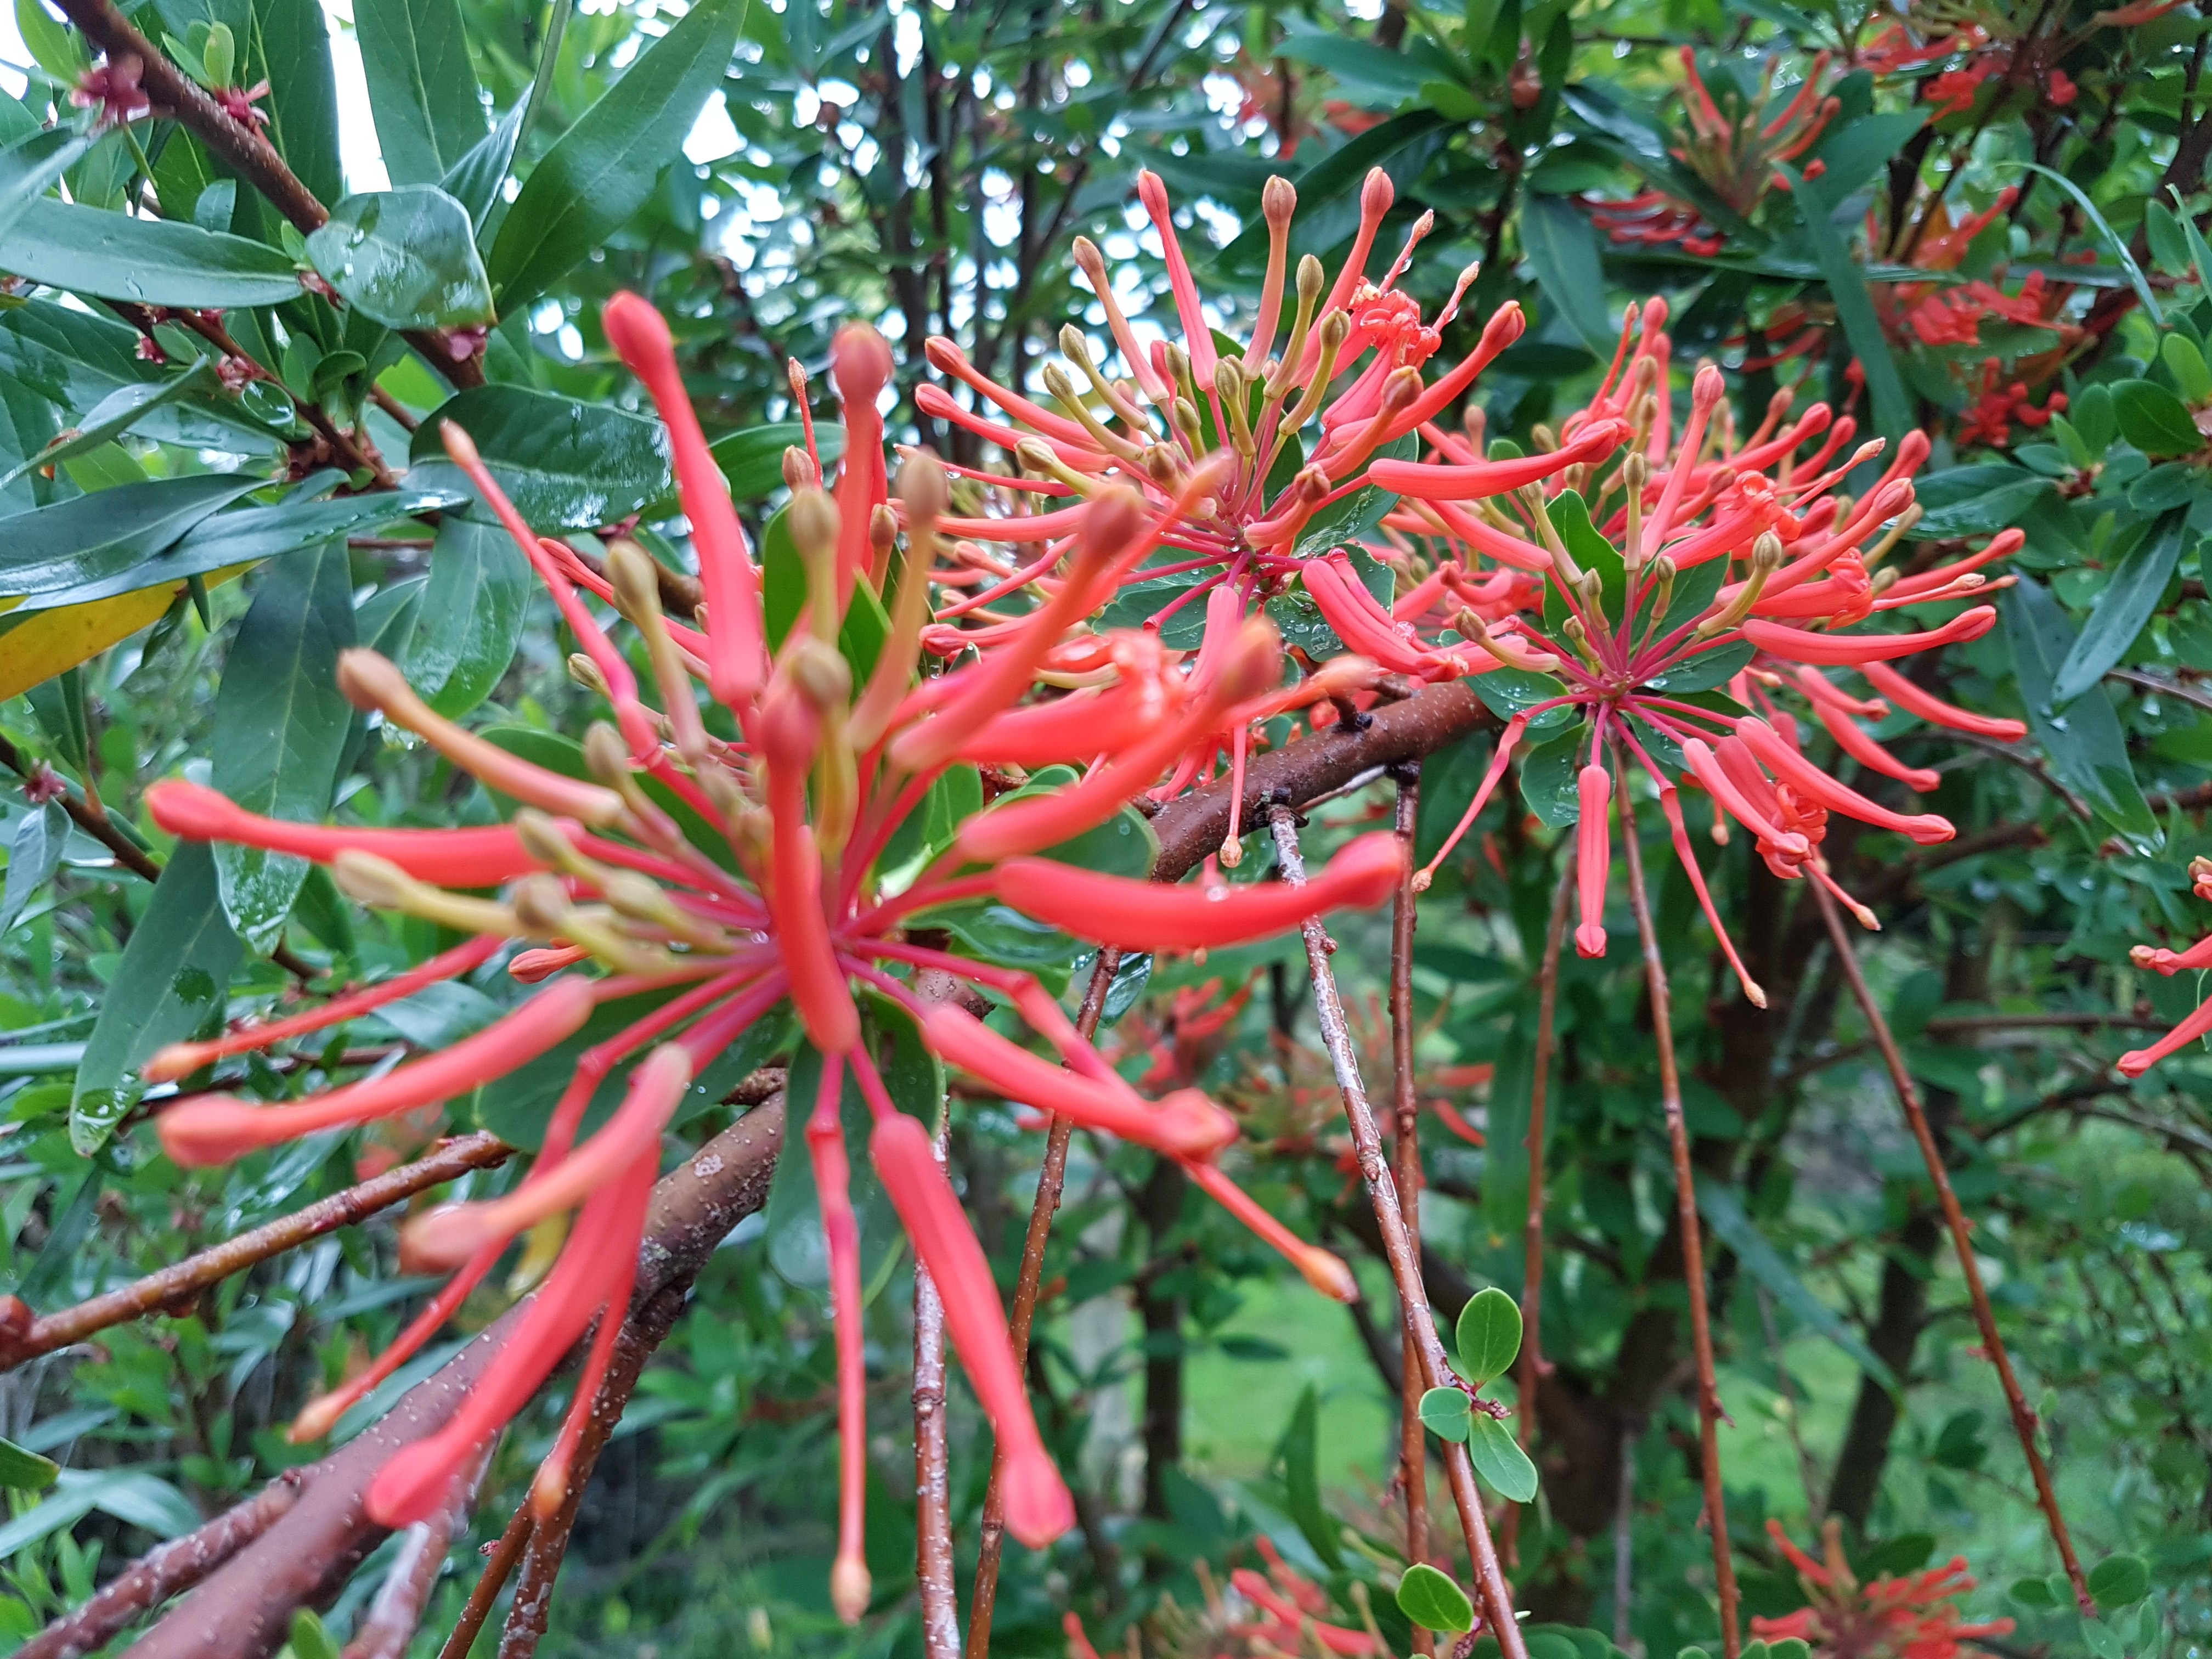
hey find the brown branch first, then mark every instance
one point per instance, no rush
(1532, 1233)
(933, 1565)
(244, 1610)
(1052, 1181)
(168, 1572)
(1685, 1210)
(1412, 1447)
(1398, 1245)
(177, 1285)
(498, 1564)
(92, 820)
(396, 1610)
(254, 156)
(1192, 825)
(1955, 1218)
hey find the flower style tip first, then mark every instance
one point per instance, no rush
(851, 1587)
(1039, 1506)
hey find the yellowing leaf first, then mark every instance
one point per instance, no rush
(42, 645)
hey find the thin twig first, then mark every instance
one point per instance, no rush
(1531, 1235)
(1052, 1181)
(1908, 1096)
(933, 1533)
(1412, 1448)
(167, 1572)
(179, 1283)
(1624, 1542)
(397, 1609)
(1398, 1246)
(497, 1565)
(1686, 1209)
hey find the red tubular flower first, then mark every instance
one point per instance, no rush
(1145, 916)
(450, 857)
(1933, 709)
(1915, 1617)
(1593, 856)
(1038, 1506)
(1783, 759)
(1855, 651)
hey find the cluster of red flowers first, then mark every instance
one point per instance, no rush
(721, 862)
(1915, 1617)
(1262, 1616)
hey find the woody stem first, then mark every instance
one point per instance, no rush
(1051, 1180)
(497, 1565)
(1686, 1211)
(1412, 1455)
(1908, 1096)
(1397, 1244)
(941, 1608)
(1532, 1270)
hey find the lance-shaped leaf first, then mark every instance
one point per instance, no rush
(151, 262)
(1563, 252)
(565, 465)
(115, 414)
(471, 615)
(2085, 747)
(92, 538)
(30, 166)
(2131, 593)
(422, 91)
(1723, 1210)
(1847, 288)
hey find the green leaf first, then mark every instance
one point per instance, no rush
(2085, 745)
(2136, 278)
(1562, 250)
(76, 359)
(34, 852)
(1301, 1453)
(603, 169)
(1504, 1466)
(2131, 592)
(1892, 409)
(91, 538)
(1979, 499)
(280, 726)
(422, 91)
(25, 1471)
(1723, 1210)
(2154, 420)
(309, 1639)
(153, 261)
(472, 616)
(1548, 776)
(406, 258)
(171, 983)
(29, 168)
(474, 180)
(1347, 522)
(2102, 1640)
(752, 459)
(54, 46)
(1851, 154)
(1488, 1336)
(1702, 672)
(566, 464)
(1446, 1413)
(2119, 1581)
(116, 414)
(2031, 1594)
(1433, 1601)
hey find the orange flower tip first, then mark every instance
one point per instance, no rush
(1589, 940)
(1038, 1507)
(550, 1489)
(412, 1485)
(530, 967)
(213, 1129)
(1191, 1126)
(441, 1239)
(174, 1061)
(318, 1418)
(1376, 194)
(1278, 200)
(859, 363)
(945, 356)
(1755, 993)
(190, 811)
(1929, 830)
(1327, 1272)
(850, 1587)
(458, 445)
(635, 330)
(2136, 1062)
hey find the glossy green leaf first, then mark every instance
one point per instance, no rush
(1722, 1209)
(474, 180)
(1852, 154)
(30, 168)
(471, 615)
(1301, 1452)
(280, 725)
(65, 548)
(752, 459)
(171, 983)
(1504, 1466)
(1548, 777)
(53, 46)
(406, 258)
(1488, 1336)
(2135, 277)
(2154, 420)
(1433, 1601)
(1509, 691)
(1347, 522)
(76, 359)
(566, 464)
(2119, 1581)
(1562, 250)
(2131, 593)
(309, 1639)
(601, 171)
(115, 414)
(422, 90)
(25, 1471)
(1979, 499)
(1847, 288)
(154, 262)
(34, 852)
(2086, 748)
(1445, 1413)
